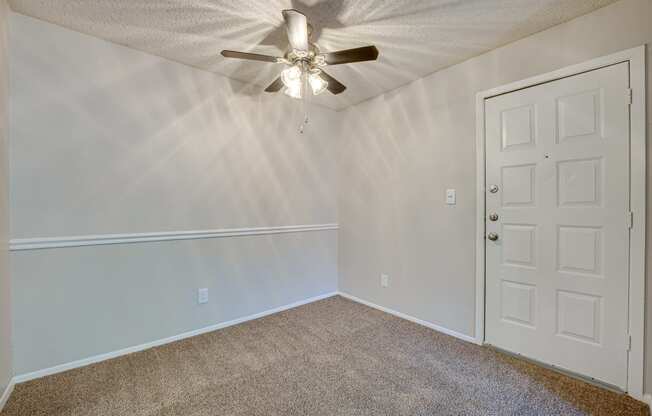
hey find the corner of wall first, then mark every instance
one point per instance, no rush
(6, 356)
(4, 397)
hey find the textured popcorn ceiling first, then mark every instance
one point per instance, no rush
(415, 37)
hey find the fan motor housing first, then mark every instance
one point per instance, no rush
(312, 59)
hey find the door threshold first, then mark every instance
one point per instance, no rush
(561, 370)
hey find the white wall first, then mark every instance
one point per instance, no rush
(6, 372)
(406, 147)
(107, 140)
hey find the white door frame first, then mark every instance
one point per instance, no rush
(636, 59)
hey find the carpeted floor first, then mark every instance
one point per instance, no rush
(333, 357)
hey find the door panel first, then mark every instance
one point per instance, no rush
(557, 276)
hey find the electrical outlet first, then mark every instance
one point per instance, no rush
(202, 295)
(384, 280)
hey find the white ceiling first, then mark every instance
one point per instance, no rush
(415, 37)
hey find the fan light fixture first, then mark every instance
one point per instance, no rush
(305, 61)
(317, 83)
(293, 91)
(293, 78)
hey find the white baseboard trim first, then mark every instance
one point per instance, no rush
(114, 354)
(427, 324)
(647, 398)
(19, 244)
(5, 394)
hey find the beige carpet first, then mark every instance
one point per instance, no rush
(333, 357)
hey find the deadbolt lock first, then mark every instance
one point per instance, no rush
(493, 216)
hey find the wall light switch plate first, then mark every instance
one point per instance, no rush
(384, 280)
(450, 196)
(202, 296)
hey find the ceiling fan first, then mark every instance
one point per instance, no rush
(304, 60)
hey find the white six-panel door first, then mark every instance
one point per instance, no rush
(557, 274)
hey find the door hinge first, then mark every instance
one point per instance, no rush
(629, 342)
(629, 96)
(630, 220)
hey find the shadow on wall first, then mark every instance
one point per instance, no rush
(107, 140)
(399, 153)
(146, 144)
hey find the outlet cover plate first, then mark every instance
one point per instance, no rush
(384, 280)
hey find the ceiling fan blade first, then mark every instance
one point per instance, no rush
(250, 56)
(275, 86)
(297, 26)
(365, 53)
(334, 86)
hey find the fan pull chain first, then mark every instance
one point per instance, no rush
(303, 125)
(306, 95)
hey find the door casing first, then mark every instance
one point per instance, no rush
(636, 59)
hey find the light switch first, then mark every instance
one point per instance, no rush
(450, 196)
(202, 295)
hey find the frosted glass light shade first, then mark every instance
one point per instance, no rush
(291, 76)
(293, 90)
(317, 84)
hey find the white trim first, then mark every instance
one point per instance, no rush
(5, 394)
(114, 354)
(480, 222)
(636, 59)
(647, 398)
(638, 192)
(18, 244)
(427, 324)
